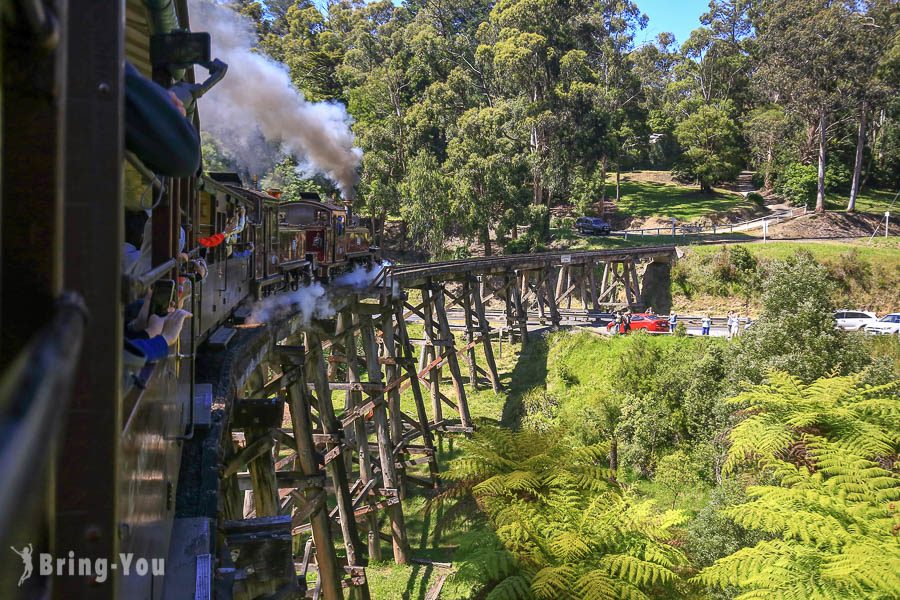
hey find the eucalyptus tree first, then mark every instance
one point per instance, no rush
(804, 49)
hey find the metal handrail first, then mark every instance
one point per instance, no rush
(34, 396)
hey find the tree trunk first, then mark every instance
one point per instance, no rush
(382, 219)
(603, 181)
(857, 165)
(618, 183)
(820, 187)
(767, 178)
(486, 240)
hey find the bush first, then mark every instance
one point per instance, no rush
(850, 270)
(796, 332)
(756, 198)
(562, 223)
(798, 182)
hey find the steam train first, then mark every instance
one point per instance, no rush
(97, 450)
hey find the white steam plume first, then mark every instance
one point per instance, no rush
(313, 301)
(256, 96)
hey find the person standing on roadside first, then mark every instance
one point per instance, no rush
(673, 322)
(617, 324)
(705, 325)
(735, 325)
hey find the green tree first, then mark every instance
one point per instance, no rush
(831, 517)
(804, 48)
(677, 473)
(795, 332)
(486, 172)
(710, 139)
(765, 129)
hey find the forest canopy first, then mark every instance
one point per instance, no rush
(471, 113)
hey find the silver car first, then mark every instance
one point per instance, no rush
(853, 320)
(886, 325)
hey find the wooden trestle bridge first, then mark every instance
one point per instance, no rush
(272, 490)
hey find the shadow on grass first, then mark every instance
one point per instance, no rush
(530, 371)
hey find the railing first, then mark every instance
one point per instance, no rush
(34, 397)
(738, 227)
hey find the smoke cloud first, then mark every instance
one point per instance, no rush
(314, 301)
(255, 106)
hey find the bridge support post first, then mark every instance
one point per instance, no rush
(385, 448)
(346, 322)
(409, 366)
(467, 302)
(592, 280)
(329, 576)
(508, 285)
(550, 296)
(262, 473)
(485, 328)
(452, 360)
(335, 467)
(393, 395)
(521, 315)
(430, 354)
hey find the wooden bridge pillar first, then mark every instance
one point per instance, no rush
(450, 356)
(467, 302)
(346, 323)
(550, 296)
(393, 394)
(430, 354)
(312, 498)
(484, 326)
(385, 448)
(408, 364)
(521, 314)
(334, 466)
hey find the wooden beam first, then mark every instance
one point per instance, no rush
(336, 469)
(478, 305)
(452, 360)
(358, 429)
(412, 376)
(385, 450)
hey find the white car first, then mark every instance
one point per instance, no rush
(887, 324)
(854, 320)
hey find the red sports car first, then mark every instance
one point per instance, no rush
(651, 323)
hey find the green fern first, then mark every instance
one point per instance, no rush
(571, 530)
(832, 447)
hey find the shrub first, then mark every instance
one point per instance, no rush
(798, 182)
(850, 269)
(562, 222)
(756, 198)
(796, 332)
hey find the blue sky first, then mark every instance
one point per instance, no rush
(677, 16)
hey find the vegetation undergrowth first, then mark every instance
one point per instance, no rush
(675, 467)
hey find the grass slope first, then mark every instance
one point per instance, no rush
(654, 194)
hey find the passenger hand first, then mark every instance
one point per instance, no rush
(140, 321)
(154, 325)
(173, 324)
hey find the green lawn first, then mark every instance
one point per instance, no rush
(872, 201)
(641, 197)
(885, 252)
